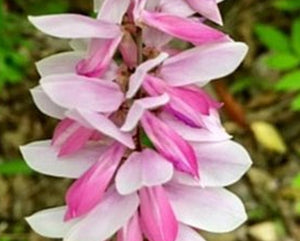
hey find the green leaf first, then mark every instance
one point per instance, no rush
(282, 61)
(296, 36)
(290, 81)
(145, 140)
(14, 167)
(272, 38)
(296, 104)
(287, 5)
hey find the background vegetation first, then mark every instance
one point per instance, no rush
(262, 111)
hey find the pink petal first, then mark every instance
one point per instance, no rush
(74, 26)
(143, 169)
(137, 78)
(189, 104)
(99, 58)
(182, 28)
(73, 91)
(157, 217)
(72, 166)
(60, 135)
(50, 223)
(62, 63)
(76, 141)
(202, 64)
(45, 104)
(139, 107)
(195, 134)
(113, 11)
(88, 190)
(173, 147)
(131, 231)
(103, 125)
(128, 50)
(211, 209)
(207, 8)
(111, 214)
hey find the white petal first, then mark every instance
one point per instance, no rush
(220, 164)
(144, 169)
(210, 209)
(186, 233)
(136, 80)
(45, 104)
(50, 222)
(202, 64)
(139, 107)
(74, 91)
(62, 63)
(42, 157)
(113, 10)
(74, 26)
(112, 213)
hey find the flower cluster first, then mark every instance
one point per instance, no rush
(142, 139)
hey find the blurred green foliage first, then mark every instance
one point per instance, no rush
(13, 60)
(284, 56)
(16, 44)
(13, 167)
(287, 5)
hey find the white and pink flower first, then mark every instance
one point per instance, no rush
(163, 190)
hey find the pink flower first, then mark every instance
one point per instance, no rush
(143, 141)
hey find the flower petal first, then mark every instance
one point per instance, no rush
(42, 157)
(139, 107)
(45, 104)
(157, 217)
(87, 191)
(187, 233)
(111, 214)
(113, 11)
(172, 146)
(137, 78)
(213, 209)
(99, 57)
(50, 222)
(194, 134)
(76, 141)
(176, 7)
(143, 169)
(208, 9)
(202, 64)
(102, 124)
(74, 26)
(222, 163)
(73, 91)
(62, 63)
(129, 51)
(182, 28)
(131, 231)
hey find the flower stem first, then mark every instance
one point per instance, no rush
(139, 43)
